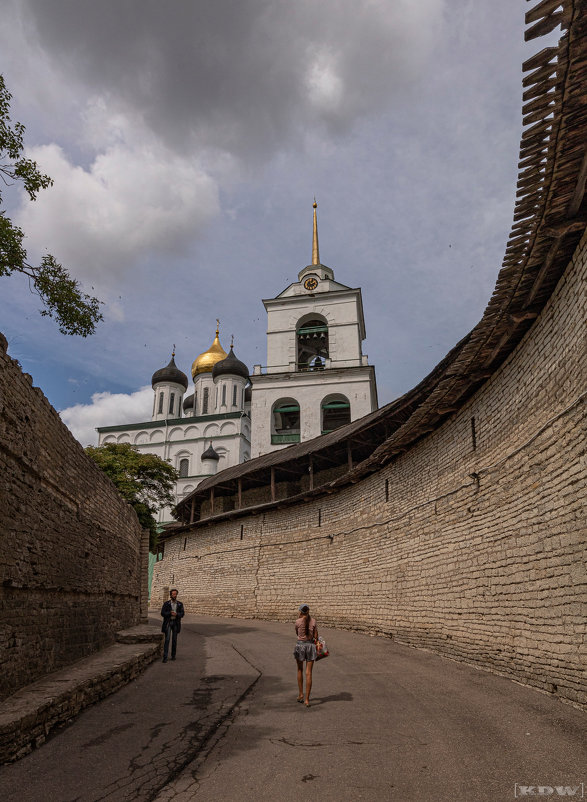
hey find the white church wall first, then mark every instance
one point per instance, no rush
(341, 312)
(211, 430)
(309, 394)
(168, 400)
(228, 428)
(204, 387)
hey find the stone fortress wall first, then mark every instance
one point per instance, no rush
(73, 565)
(470, 544)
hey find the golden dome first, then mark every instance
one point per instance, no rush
(206, 361)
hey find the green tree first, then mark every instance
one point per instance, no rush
(145, 480)
(74, 311)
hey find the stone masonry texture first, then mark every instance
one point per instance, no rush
(72, 548)
(478, 553)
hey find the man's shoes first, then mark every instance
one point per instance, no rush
(173, 658)
(164, 659)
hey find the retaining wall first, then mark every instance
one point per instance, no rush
(73, 567)
(470, 546)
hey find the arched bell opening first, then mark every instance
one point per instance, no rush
(285, 421)
(335, 412)
(312, 343)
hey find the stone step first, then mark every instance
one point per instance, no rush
(141, 634)
(29, 715)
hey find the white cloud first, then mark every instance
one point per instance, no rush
(325, 86)
(107, 409)
(133, 200)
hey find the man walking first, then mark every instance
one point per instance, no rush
(172, 612)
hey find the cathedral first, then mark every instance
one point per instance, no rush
(315, 380)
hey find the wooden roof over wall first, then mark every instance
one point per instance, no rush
(550, 216)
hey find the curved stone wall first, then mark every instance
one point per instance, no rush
(74, 559)
(470, 544)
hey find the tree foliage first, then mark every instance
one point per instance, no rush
(74, 311)
(145, 480)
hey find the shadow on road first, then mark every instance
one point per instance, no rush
(216, 630)
(344, 696)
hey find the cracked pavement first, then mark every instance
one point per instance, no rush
(386, 722)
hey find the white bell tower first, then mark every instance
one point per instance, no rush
(316, 378)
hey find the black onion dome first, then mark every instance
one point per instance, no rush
(209, 453)
(231, 366)
(170, 373)
(188, 402)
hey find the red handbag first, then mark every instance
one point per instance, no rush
(321, 649)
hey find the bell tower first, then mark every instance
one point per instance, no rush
(316, 378)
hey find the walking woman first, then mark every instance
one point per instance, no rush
(307, 634)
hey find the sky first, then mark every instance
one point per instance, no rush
(187, 141)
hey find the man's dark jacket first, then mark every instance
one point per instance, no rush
(166, 613)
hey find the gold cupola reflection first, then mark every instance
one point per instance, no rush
(206, 361)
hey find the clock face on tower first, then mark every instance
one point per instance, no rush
(311, 283)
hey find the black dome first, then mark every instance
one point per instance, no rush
(170, 373)
(231, 366)
(188, 403)
(209, 453)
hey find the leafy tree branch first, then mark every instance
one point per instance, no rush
(146, 481)
(74, 311)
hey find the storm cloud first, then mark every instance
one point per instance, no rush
(247, 77)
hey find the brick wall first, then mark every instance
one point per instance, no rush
(70, 562)
(478, 553)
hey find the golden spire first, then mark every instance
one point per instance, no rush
(315, 251)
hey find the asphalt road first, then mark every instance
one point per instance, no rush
(386, 723)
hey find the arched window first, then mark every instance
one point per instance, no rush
(223, 395)
(312, 343)
(285, 424)
(160, 410)
(171, 403)
(234, 389)
(184, 468)
(336, 412)
(205, 402)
